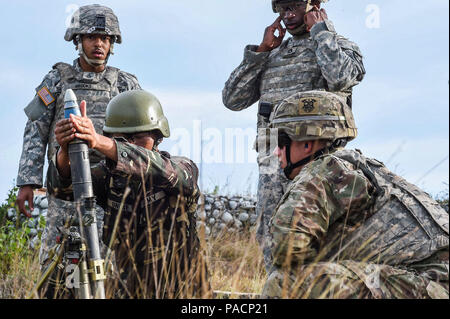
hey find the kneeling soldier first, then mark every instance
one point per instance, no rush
(347, 227)
(148, 196)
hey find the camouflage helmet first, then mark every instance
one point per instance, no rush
(94, 19)
(134, 112)
(275, 2)
(315, 115)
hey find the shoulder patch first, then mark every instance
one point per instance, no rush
(46, 96)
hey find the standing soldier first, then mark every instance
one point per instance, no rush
(315, 58)
(94, 30)
(149, 198)
(347, 227)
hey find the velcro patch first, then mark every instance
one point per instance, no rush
(308, 106)
(46, 96)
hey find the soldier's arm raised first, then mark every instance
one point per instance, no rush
(340, 60)
(242, 88)
(131, 159)
(177, 175)
(83, 128)
(66, 130)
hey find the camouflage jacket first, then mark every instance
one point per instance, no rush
(317, 60)
(96, 88)
(344, 206)
(156, 224)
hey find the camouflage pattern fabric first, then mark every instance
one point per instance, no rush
(351, 280)
(38, 133)
(97, 89)
(347, 227)
(319, 60)
(149, 199)
(96, 19)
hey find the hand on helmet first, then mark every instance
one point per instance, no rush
(270, 40)
(314, 16)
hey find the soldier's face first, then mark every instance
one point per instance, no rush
(145, 139)
(292, 14)
(280, 152)
(96, 46)
(299, 151)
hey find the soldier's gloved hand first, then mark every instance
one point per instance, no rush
(270, 41)
(84, 128)
(314, 16)
(25, 194)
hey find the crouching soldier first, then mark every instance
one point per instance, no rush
(148, 196)
(347, 227)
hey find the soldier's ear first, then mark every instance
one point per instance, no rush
(309, 146)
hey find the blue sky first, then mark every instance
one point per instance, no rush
(184, 51)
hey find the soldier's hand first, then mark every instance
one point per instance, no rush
(64, 133)
(84, 128)
(25, 194)
(270, 40)
(314, 16)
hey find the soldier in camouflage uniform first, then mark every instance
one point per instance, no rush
(148, 195)
(347, 227)
(315, 58)
(94, 29)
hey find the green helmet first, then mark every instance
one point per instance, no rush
(134, 112)
(95, 19)
(275, 2)
(315, 115)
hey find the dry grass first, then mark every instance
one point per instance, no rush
(236, 264)
(18, 281)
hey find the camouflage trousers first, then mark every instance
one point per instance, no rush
(272, 184)
(352, 280)
(59, 215)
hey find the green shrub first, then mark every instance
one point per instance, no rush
(14, 235)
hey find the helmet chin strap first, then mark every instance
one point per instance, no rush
(93, 62)
(298, 31)
(291, 166)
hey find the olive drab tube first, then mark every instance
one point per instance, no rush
(84, 197)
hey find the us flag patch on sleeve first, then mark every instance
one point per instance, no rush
(46, 96)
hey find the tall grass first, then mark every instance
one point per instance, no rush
(234, 262)
(19, 266)
(236, 265)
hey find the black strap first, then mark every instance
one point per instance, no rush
(265, 109)
(290, 166)
(367, 172)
